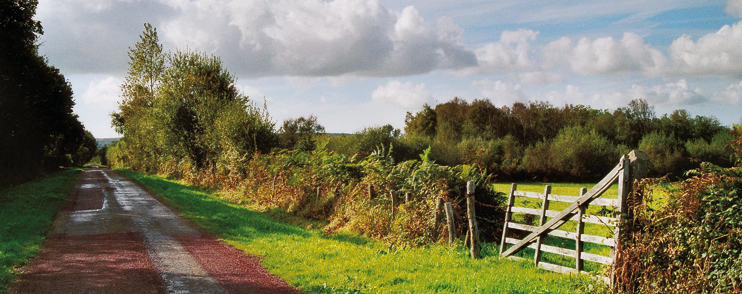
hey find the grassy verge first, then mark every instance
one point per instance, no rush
(26, 214)
(317, 263)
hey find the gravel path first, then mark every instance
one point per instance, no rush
(114, 237)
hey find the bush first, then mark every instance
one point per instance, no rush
(665, 154)
(694, 243)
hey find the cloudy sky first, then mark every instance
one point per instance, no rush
(363, 63)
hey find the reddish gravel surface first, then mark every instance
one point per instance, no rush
(113, 237)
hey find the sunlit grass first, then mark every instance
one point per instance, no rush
(26, 215)
(318, 263)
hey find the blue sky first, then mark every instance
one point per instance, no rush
(364, 63)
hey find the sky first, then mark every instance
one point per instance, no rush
(366, 63)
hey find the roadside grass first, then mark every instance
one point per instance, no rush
(345, 263)
(26, 215)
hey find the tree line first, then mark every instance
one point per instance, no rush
(538, 141)
(38, 130)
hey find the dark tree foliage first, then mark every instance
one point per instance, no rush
(538, 141)
(39, 130)
(299, 132)
(423, 123)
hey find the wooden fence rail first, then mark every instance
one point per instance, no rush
(576, 211)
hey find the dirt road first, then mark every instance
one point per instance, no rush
(114, 237)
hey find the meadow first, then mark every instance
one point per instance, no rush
(316, 262)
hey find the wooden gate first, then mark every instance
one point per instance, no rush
(576, 211)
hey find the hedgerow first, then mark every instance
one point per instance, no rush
(691, 245)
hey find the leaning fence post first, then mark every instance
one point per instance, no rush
(370, 191)
(542, 221)
(451, 224)
(473, 229)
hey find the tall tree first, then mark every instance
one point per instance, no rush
(39, 130)
(135, 118)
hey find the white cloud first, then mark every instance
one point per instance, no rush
(259, 37)
(511, 53)
(607, 56)
(674, 94)
(501, 93)
(734, 8)
(712, 54)
(406, 95)
(731, 95)
(104, 93)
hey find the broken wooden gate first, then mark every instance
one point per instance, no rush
(576, 211)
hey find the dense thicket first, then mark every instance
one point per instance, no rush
(692, 243)
(39, 131)
(538, 141)
(181, 114)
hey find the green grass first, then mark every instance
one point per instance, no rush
(318, 263)
(26, 215)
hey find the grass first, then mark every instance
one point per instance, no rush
(319, 263)
(26, 215)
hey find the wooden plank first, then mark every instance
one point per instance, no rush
(518, 209)
(578, 233)
(597, 258)
(588, 218)
(534, 195)
(553, 269)
(566, 235)
(568, 199)
(508, 216)
(512, 240)
(557, 250)
(557, 268)
(555, 222)
(542, 221)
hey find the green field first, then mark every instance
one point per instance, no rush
(318, 263)
(26, 214)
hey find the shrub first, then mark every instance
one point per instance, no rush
(694, 243)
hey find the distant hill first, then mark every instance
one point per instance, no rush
(105, 141)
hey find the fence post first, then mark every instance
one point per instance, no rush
(451, 224)
(541, 222)
(407, 197)
(508, 217)
(370, 192)
(437, 216)
(624, 188)
(473, 228)
(578, 240)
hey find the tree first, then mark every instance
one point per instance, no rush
(422, 123)
(184, 109)
(300, 131)
(39, 130)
